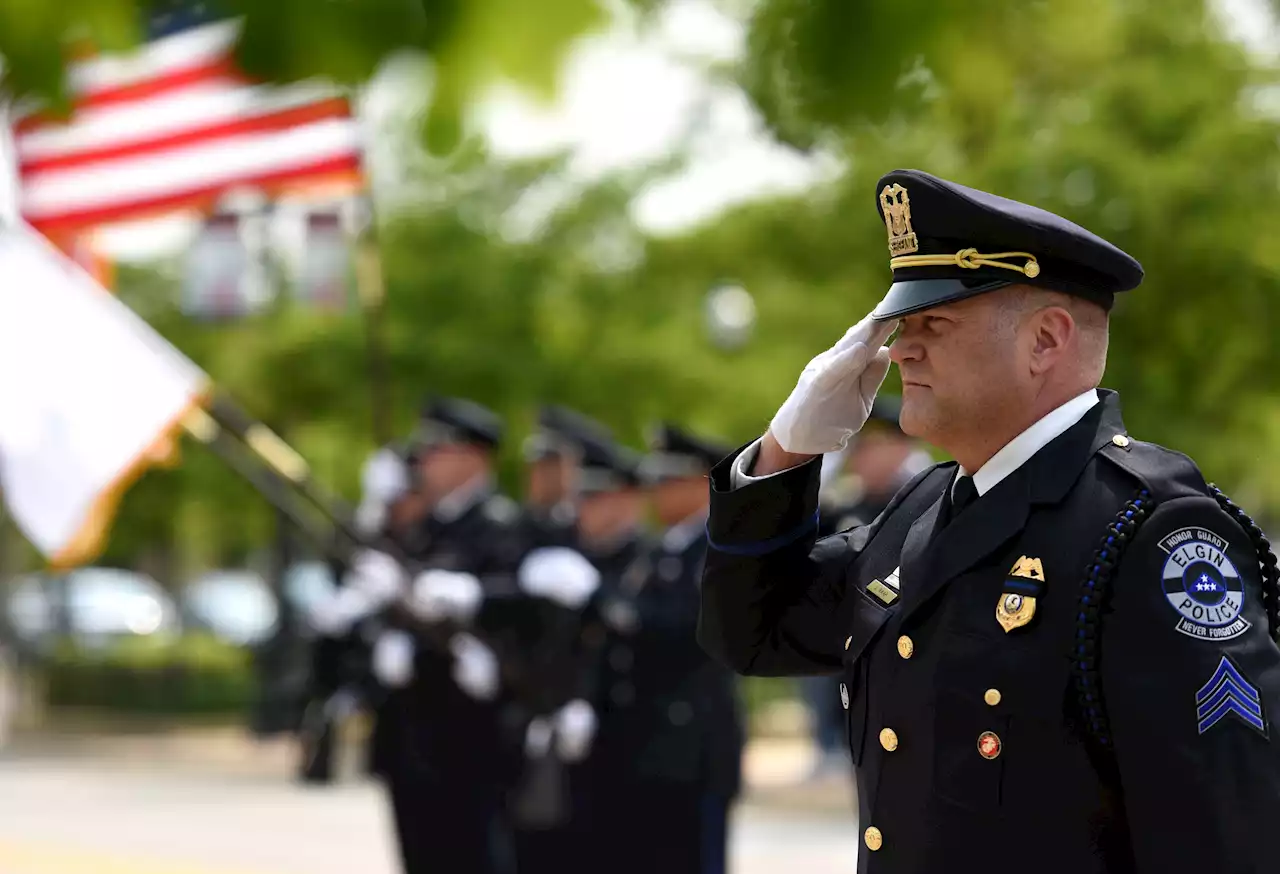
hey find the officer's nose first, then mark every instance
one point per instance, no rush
(905, 349)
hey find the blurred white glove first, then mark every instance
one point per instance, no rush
(537, 737)
(832, 399)
(575, 725)
(392, 659)
(440, 594)
(377, 575)
(559, 574)
(335, 615)
(384, 478)
(475, 667)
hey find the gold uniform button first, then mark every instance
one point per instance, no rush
(848, 641)
(873, 839)
(906, 647)
(889, 739)
(1120, 440)
(992, 697)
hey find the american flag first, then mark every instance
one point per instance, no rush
(175, 126)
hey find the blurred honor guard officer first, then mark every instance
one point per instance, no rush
(611, 507)
(439, 740)
(339, 681)
(1057, 651)
(611, 534)
(557, 585)
(672, 712)
(552, 456)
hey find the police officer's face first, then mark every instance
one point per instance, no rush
(449, 466)
(550, 481)
(606, 515)
(876, 457)
(676, 499)
(960, 370)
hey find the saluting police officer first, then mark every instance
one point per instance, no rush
(1057, 650)
(671, 714)
(441, 741)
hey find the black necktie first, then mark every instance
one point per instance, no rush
(963, 493)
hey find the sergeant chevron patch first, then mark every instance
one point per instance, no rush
(1229, 692)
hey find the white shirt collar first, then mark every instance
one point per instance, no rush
(1020, 449)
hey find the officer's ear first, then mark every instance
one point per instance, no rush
(1052, 333)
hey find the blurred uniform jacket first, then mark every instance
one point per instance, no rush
(432, 729)
(841, 515)
(996, 734)
(540, 635)
(668, 712)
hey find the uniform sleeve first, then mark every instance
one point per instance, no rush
(770, 590)
(1191, 680)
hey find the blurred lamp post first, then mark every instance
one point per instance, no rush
(730, 314)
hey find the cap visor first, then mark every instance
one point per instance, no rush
(916, 295)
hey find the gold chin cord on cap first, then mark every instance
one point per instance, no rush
(970, 259)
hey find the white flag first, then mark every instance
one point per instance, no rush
(90, 396)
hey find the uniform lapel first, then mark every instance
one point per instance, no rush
(931, 558)
(929, 563)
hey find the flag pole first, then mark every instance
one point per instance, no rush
(371, 293)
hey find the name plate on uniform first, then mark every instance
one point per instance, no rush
(883, 592)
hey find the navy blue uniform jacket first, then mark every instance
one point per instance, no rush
(1118, 719)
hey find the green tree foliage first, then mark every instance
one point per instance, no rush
(1139, 120)
(1136, 118)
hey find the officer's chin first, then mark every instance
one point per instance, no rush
(914, 417)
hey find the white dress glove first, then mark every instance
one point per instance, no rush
(537, 737)
(833, 397)
(575, 725)
(559, 574)
(334, 616)
(475, 667)
(440, 594)
(384, 479)
(377, 575)
(372, 582)
(392, 659)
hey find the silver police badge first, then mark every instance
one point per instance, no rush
(1202, 585)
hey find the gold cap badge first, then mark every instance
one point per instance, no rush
(896, 205)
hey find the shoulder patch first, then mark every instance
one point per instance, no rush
(1229, 691)
(1202, 585)
(501, 509)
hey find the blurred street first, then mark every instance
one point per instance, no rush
(69, 815)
